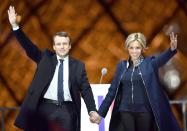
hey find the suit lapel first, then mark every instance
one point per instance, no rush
(54, 61)
(48, 64)
(51, 65)
(71, 69)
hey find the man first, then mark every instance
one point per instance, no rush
(58, 82)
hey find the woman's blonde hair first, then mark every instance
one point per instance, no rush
(139, 37)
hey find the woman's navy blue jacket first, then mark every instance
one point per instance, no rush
(164, 118)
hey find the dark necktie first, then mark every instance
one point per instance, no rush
(60, 82)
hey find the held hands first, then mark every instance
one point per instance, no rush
(13, 17)
(173, 41)
(95, 117)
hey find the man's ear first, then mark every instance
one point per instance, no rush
(54, 48)
(70, 46)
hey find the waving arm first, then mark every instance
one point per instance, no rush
(32, 50)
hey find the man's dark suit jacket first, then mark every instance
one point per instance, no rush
(46, 63)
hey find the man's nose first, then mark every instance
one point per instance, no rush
(62, 45)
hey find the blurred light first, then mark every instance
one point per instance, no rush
(172, 79)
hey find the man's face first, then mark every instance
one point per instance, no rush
(61, 45)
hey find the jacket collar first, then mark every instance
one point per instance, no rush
(137, 63)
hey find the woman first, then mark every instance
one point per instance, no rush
(140, 103)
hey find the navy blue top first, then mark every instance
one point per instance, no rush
(134, 96)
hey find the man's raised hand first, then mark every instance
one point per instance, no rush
(12, 15)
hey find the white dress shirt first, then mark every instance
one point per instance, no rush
(52, 91)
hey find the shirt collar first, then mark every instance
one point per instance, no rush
(65, 58)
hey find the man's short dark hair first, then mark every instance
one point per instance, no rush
(62, 34)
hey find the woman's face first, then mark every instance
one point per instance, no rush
(135, 50)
